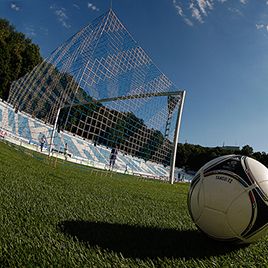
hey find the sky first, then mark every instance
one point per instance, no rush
(216, 50)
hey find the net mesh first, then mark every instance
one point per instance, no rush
(106, 89)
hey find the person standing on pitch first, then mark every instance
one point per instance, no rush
(42, 141)
(113, 156)
(66, 150)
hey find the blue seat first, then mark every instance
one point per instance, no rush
(23, 127)
(98, 155)
(11, 120)
(71, 146)
(89, 156)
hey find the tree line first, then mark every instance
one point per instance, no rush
(18, 56)
(192, 157)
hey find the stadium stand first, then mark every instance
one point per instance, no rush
(25, 130)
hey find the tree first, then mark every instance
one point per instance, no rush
(192, 157)
(18, 56)
(247, 150)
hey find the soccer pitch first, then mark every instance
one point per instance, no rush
(72, 216)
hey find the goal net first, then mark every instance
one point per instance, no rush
(101, 85)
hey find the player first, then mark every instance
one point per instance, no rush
(42, 141)
(113, 156)
(66, 151)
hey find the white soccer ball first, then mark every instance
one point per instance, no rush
(228, 199)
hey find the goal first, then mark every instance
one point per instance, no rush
(101, 85)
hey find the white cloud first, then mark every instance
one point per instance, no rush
(33, 30)
(205, 4)
(14, 7)
(262, 26)
(259, 26)
(188, 22)
(61, 15)
(198, 10)
(30, 31)
(92, 7)
(181, 13)
(178, 8)
(195, 9)
(196, 13)
(44, 31)
(202, 6)
(236, 11)
(210, 4)
(76, 6)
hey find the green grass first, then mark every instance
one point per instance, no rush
(71, 216)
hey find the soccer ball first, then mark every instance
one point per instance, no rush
(228, 199)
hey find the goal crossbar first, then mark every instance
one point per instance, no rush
(128, 97)
(142, 96)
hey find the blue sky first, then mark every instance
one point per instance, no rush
(215, 49)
